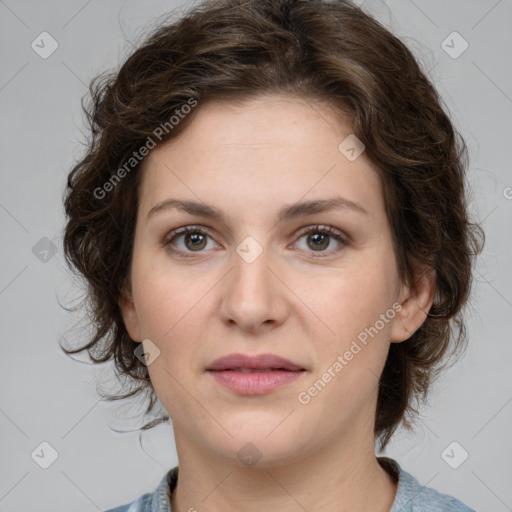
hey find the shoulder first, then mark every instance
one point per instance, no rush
(141, 504)
(411, 496)
(159, 499)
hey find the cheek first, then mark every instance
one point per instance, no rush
(172, 311)
(353, 298)
(164, 297)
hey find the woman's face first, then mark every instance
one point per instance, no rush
(252, 281)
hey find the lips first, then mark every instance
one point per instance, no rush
(249, 364)
(254, 375)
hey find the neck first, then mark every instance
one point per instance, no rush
(342, 476)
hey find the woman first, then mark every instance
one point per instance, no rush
(271, 219)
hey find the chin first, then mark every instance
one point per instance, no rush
(253, 449)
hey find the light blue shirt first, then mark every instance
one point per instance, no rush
(410, 496)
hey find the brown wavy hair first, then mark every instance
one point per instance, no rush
(329, 51)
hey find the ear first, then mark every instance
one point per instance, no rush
(415, 301)
(130, 318)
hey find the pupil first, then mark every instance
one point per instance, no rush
(195, 237)
(319, 237)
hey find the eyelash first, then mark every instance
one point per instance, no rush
(326, 230)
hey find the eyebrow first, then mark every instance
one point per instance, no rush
(286, 213)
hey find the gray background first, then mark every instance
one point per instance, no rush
(46, 397)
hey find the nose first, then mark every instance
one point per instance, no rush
(253, 297)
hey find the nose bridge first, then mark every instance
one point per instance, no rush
(252, 297)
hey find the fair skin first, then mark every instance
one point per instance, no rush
(249, 160)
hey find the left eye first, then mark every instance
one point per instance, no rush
(318, 238)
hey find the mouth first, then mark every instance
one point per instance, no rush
(258, 363)
(259, 370)
(254, 375)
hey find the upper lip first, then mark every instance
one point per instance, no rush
(258, 362)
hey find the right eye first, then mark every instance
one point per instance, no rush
(192, 238)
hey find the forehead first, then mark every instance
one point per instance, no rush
(270, 149)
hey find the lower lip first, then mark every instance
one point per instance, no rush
(255, 383)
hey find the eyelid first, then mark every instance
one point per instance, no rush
(326, 228)
(186, 229)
